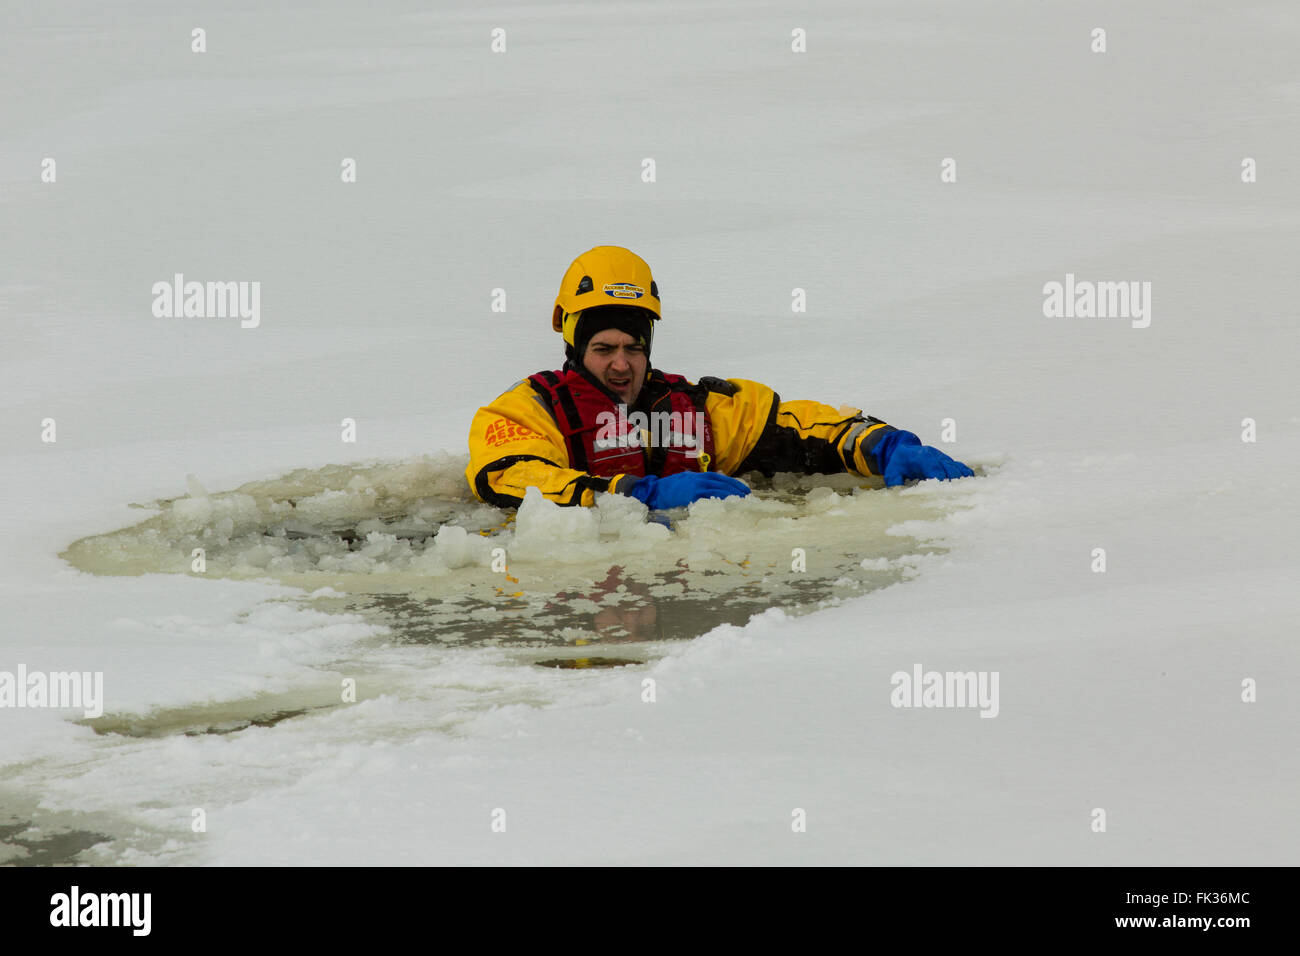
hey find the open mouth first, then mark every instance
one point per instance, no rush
(619, 384)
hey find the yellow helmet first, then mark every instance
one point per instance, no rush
(605, 275)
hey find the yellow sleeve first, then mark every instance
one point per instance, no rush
(755, 431)
(514, 444)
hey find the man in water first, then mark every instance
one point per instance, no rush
(608, 422)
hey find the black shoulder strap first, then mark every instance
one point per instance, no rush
(561, 393)
(719, 385)
(699, 392)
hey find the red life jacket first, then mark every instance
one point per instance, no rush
(672, 435)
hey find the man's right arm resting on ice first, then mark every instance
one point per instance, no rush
(515, 444)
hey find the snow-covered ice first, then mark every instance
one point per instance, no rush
(1120, 690)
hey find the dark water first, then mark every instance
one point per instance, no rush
(677, 604)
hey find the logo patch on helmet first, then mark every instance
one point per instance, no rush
(623, 290)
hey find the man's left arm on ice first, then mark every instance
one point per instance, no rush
(756, 431)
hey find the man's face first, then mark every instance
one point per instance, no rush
(618, 362)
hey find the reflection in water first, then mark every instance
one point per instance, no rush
(587, 663)
(621, 608)
(634, 618)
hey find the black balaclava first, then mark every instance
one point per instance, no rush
(636, 322)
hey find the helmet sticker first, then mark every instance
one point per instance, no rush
(623, 290)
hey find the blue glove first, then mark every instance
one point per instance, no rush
(681, 489)
(901, 456)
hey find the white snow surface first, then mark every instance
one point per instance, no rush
(1120, 690)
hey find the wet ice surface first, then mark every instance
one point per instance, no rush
(405, 546)
(448, 611)
(438, 609)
